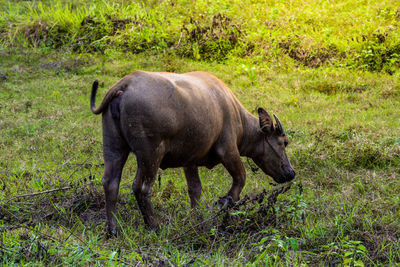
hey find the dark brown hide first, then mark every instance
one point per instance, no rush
(182, 120)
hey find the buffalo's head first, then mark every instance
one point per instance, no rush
(269, 153)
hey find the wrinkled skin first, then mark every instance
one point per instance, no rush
(182, 120)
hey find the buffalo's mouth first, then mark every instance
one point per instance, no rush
(286, 177)
(280, 176)
(290, 175)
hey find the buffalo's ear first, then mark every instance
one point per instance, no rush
(266, 123)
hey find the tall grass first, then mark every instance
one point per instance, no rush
(356, 34)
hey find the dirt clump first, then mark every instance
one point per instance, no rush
(36, 32)
(309, 57)
(213, 40)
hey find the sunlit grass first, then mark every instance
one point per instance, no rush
(354, 34)
(345, 155)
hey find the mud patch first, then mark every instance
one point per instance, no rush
(330, 87)
(212, 40)
(51, 65)
(309, 57)
(121, 24)
(40, 33)
(36, 33)
(87, 203)
(71, 65)
(114, 24)
(100, 30)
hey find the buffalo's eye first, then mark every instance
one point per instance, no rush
(286, 143)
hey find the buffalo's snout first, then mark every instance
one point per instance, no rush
(289, 175)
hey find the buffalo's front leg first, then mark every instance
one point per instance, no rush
(234, 165)
(194, 184)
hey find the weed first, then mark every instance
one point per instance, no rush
(377, 55)
(346, 252)
(274, 249)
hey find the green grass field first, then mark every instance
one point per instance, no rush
(329, 70)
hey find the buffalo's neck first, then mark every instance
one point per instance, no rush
(251, 133)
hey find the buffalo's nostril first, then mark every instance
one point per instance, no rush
(290, 175)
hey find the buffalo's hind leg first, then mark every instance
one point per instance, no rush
(194, 184)
(115, 152)
(148, 162)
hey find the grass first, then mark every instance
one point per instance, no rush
(341, 116)
(352, 34)
(346, 160)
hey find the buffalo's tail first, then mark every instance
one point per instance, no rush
(93, 99)
(115, 91)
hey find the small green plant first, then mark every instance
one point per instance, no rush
(351, 252)
(274, 248)
(250, 71)
(294, 206)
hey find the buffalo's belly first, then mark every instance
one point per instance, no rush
(171, 160)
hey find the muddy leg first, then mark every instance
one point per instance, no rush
(234, 165)
(114, 162)
(194, 184)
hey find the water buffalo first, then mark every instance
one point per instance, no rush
(182, 120)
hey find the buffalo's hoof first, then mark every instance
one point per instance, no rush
(225, 202)
(112, 233)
